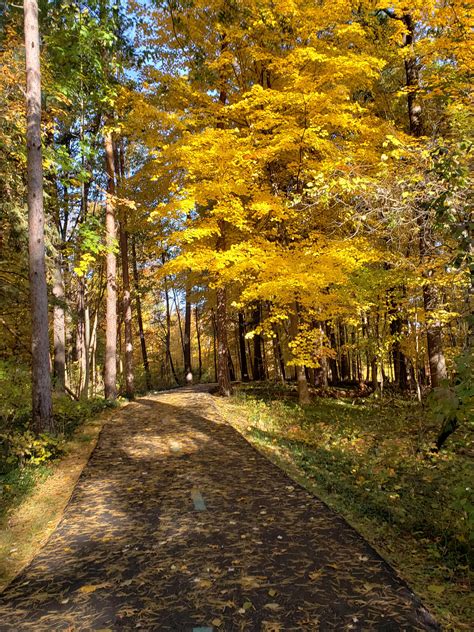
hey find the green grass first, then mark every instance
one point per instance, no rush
(371, 460)
(17, 484)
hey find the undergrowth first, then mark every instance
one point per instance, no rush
(25, 457)
(372, 460)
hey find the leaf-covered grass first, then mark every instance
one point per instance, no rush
(371, 460)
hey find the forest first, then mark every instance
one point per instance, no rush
(271, 197)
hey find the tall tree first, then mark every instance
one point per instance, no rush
(41, 376)
(436, 357)
(126, 298)
(188, 373)
(138, 305)
(110, 373)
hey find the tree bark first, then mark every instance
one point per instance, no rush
(399, 360)
(258, 369)
(127, 313)
(198, 337)
(244, 372)
(223, 373)
(126, 299)
(434, 339)
(168, 332)
(110, 373)
(187, 337)
(343, 355)
(59, 328)
(138, 305)
(82, 338)
(42, 417)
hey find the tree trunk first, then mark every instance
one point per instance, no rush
(430, 299)
(399, 360)
(92, 354)
(127, 313)
(244, 372)
(223, 373)
(82, 335)
(303, 392)
(258, 369)
(110, 373)
(178, 317)
(434, 338)
(343, 356)
(198, 336)
(332, 360)
(214, 345)
(168, 332)
(279, 353)
(59, 328)
(187, 336)
(41, 376)
(126, 300)
(138, 304)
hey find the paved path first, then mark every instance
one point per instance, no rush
(177, 523)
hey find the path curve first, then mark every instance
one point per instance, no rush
(178, 524)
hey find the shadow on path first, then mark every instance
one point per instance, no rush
(134, 552)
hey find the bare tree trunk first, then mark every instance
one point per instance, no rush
(214, 344)
(87, 341)
(258, 369)
(242, 354)
(110, 374)
(92, 354)
(223, 373)
(127, 313)
(178, 317)
(59, 328)
(399, 360)
(434, 337)
(276, 360)
(430, 299)
(332, 360)
(187, 336)
(303, 392)
(281, 359)
(41, 375)
(344, 359)
(82, 338)
(198, 336)
(126, 300)
(138, 304)
(168, 332)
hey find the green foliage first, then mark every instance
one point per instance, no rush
(19, 445)
(453, 405)
(18, 483)
(24, 456)
(29, 447)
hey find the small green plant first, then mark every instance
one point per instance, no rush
(452, 405)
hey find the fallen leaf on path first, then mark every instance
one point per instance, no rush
(90, 588)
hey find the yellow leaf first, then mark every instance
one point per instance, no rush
(89, 588)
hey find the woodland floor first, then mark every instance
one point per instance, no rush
(177, 523)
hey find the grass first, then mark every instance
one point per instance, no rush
(371, 461)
